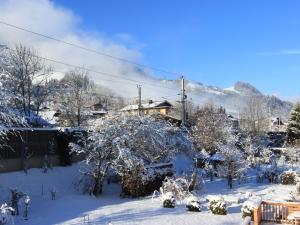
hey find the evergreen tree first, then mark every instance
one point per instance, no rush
(293, 130)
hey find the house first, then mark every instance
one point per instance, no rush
(234, 122)
(277, 125)
(149, 108)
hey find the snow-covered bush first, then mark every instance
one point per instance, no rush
(248, 206)
(141, 181)
(6, 214)
(179, 187)
(218, 206)
(288, 177)
(247, 209)
(132, 181)
(168, 200)
(270, 172)
(193, 204)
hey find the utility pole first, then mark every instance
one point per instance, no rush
(183, 102)
(140, 100)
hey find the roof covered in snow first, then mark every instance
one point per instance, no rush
(149, 105)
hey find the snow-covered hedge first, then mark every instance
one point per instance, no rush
(193, 204)
(288, 177)
(218, 206)
(168, 200)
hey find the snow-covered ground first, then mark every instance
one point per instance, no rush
(71, 207)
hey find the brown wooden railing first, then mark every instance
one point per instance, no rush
(275, 212)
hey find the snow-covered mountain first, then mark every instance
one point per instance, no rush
(237, 96)
(233, 99)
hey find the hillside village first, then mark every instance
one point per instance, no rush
(90, 137)
(180, 153)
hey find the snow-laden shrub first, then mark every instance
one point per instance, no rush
(168, 200)
(249, 206)
(218, 206)
(179, 187)
(6, 214)
(271, 173)
(247, 209)
(193, 204)
(288, 177)
(141, 181)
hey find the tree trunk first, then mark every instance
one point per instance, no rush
(229, 179)
(97, 190)
(193, 181)
(78, 117)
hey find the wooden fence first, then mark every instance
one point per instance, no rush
(277, 213)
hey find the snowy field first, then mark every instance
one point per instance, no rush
(71, 207)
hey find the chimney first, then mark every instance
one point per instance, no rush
(150, 101)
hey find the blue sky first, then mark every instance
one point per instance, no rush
(214, 42)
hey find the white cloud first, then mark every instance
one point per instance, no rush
(43, 16)
(282, 52)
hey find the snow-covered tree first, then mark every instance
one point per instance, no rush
(233, 164)
(254, 117)
(293, 130)
(210, 127)
(9, 117)
(100, 150)
(127, 145)
(76, 95)
(21, 71)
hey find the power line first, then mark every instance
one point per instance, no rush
(90, 50)
(95, 71)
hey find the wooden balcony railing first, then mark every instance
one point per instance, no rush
(275, 212)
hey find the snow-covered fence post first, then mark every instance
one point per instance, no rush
(53, 193)
(86, 219)
(45, 163)
(26, 202)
